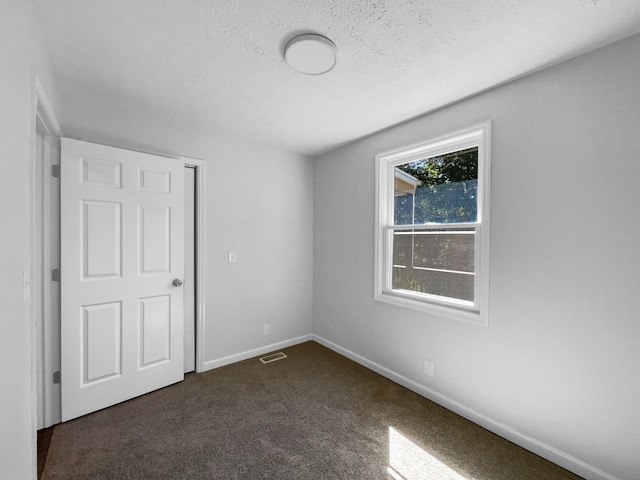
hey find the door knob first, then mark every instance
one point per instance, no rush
(177, 282)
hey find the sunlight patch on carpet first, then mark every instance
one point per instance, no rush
(408, 461)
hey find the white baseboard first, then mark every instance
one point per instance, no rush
(552, 454)
(238, 357)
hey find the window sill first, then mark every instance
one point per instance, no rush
(453, 312)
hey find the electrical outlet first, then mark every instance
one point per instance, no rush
(265, 330)
(428, 368)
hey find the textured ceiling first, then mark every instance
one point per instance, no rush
(220, 62)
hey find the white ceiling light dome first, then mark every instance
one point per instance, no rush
(311, 54)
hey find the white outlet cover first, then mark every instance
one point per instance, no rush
(428, 368)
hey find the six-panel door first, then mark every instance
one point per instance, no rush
(122, 234)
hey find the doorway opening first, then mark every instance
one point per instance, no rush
(46, 298)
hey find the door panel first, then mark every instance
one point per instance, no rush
(122, 237)
(155, 229)
(101, 341)
(101, 239)
(155, 330)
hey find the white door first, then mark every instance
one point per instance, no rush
(122, 235)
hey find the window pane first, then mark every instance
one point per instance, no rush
(445, 250)
(440, 189)
(438, 262)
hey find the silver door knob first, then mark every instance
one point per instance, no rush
(177, 282)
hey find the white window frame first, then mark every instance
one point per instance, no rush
(477, 312)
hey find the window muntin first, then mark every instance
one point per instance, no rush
(432, 241)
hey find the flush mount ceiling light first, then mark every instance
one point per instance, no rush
(310, 54)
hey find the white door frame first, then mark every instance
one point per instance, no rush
(51, 400)
(200, 260)
(43, 111)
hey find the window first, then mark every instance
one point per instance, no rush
(432, 231)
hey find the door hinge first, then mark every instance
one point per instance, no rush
(55, 274)
(55, 171)
(56, 377)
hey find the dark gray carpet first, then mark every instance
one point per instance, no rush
(314, 415)
(44, 439)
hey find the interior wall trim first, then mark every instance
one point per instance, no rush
(45, 396)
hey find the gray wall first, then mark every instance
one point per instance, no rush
(259, 203)
(557, 368)
(23, 59)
